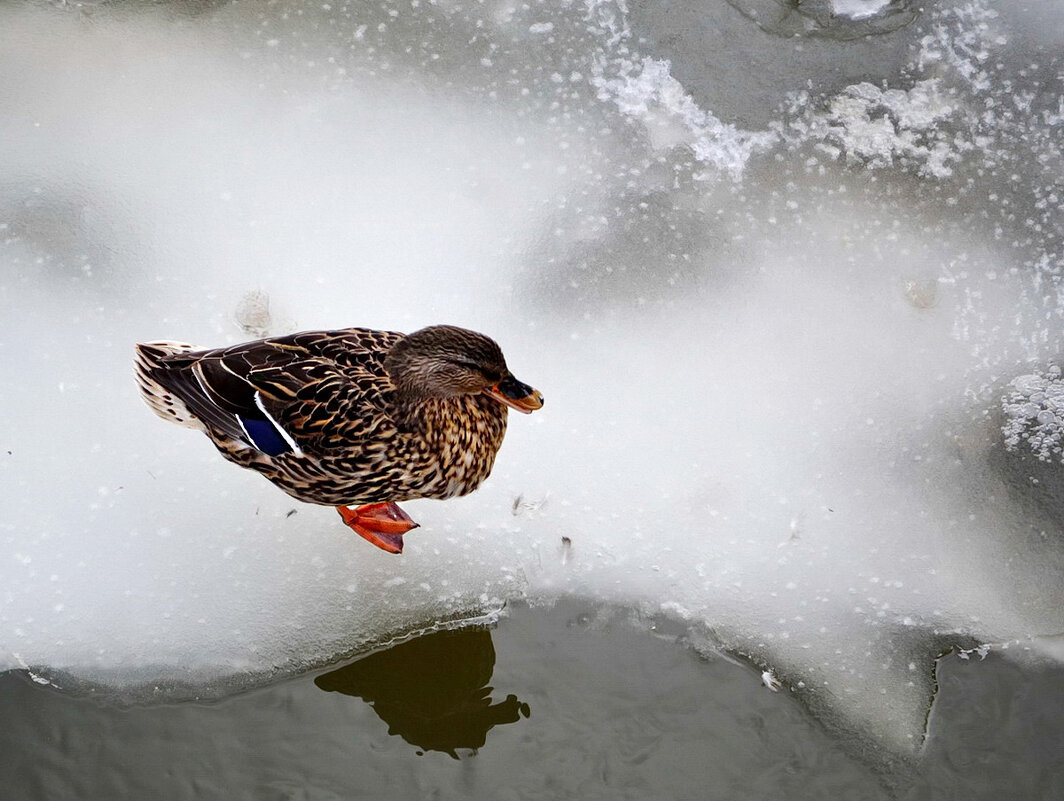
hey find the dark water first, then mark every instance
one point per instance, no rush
(567, 702)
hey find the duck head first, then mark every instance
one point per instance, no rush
(443, 361)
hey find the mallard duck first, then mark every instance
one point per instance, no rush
(349, 417)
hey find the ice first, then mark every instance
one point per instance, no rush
(836, 19)
(859, 9)
(1033, 407)
(774, 360)
(649, 93)
(878, 128)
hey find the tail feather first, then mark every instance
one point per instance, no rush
(169, 385)
(150, 371)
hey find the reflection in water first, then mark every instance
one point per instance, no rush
(433, 691)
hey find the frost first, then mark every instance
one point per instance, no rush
(927, 127)
(962, 40)
(648, 93)
(1034, 413)
(770, 681)
(876, 127)
(884, 128)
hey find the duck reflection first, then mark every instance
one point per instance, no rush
(433, 691)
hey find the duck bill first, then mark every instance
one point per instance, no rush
(516, 395)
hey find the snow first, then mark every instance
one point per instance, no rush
(772, 360)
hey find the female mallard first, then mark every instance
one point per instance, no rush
(347, 417)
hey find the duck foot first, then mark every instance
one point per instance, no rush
(383, 524)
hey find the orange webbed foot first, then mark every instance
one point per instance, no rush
(383, 524)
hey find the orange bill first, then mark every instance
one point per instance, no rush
(516, 395)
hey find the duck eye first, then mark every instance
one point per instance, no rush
(479, 369)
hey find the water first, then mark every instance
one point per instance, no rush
(789, 285)
(554, 703)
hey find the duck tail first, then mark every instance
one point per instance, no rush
(152, 380)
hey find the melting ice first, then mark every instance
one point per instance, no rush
(777, 359)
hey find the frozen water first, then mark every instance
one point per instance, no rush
(773, 359)
(670, 117)
(859, 9)
(835, 19)
(1033, 410)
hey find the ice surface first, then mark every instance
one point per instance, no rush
(859, 9)
(772, 360)
(1033, 408)
(649, 94)
(835, 19)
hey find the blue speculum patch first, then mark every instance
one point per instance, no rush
(265, 436)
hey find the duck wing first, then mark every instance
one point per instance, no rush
(308, 392)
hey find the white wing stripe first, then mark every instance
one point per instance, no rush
(287, 437)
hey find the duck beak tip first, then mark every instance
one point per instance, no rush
(526, 403)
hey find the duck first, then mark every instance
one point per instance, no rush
(354, 417)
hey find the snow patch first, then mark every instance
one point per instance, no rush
(647, 92)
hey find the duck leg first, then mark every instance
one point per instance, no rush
(383, 524)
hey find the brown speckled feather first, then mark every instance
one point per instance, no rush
(353, 441)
